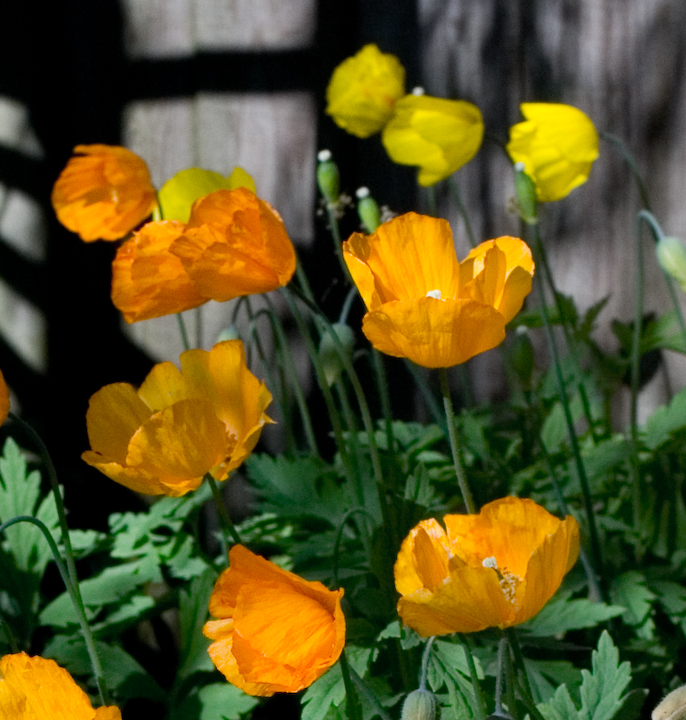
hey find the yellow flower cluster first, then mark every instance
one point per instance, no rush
(556, 143)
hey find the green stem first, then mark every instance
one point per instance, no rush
(385, 397)
(228, 529)
(280, 398)
(510, 683)
(511, 635)
(631, 162)
(336, 237)
(77, 601)
(426, 655)
(562, 393)
(452, 435)
(431, 200)
(635, 377)
(480, 709)
(352, 704)
(182, 330)
(339, 537)
(291, 372)
(431, 402)
(362, 686)
(502, 648)
(321, 380)
(457, 197)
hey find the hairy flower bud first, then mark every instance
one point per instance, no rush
(328, 178)
(673, 707)
(368, 210)
(671, 254)
(419, 705)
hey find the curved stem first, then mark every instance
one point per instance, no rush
(635, 375)
(228, 529)
(457, 197)
(352, 704)
(362, 686)
(631, 162)
(77, 601)
(291, 371)
(454, 447)
(182, 331)
(425, 662)
(339, 537)
(480, 709)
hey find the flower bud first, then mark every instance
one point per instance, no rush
(419, 705)
(229, 333)
(329, 350)
(671, 254)
(368, 210)
(525, 188)
(673, 707)
(328, 178)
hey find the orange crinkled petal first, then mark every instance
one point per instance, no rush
(104, 192)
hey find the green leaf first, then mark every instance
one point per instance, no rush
(665, 421)
(223, 701)
(664, 333)
(328, 692)
(111, 586)
(560, 616)
(179, 193)
(19, 495)
(631, 591)
(601, 689)
(123, 674)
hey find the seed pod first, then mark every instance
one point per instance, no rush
(328, 178)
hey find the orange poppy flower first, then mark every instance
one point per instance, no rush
(147, 280)
(179, 425)
(426, 306)
(34, 688)
(276, 632)
(4, 399)
(235, 244)
(494, 569)
(103, 192)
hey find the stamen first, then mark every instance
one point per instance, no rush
(436, 294)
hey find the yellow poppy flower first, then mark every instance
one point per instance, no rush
(147, 280)
(103, 192)
(363, 90)
(276, 632)
(557, 144)
(179, 425)
(494, 569)
(439, 136)
(34, 688)
(235, 244)
(4, 399)
(426, 306)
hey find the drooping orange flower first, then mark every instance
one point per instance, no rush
(276, 632)
(235, 244)
(103, 192)
(4, 399)
(426, 306)
(179, 425)
(494, 569)
(147, 280)
(34, 688)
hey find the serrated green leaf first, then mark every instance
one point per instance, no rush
(665, 421)
(558, 617)
(179, 193)
(561, 707)
(631, 591)
(602, 689)
(110, 586)
(223, 701)
(123, 674)
(631, 705)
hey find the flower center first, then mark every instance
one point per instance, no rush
(508, 581)
(436, 294)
